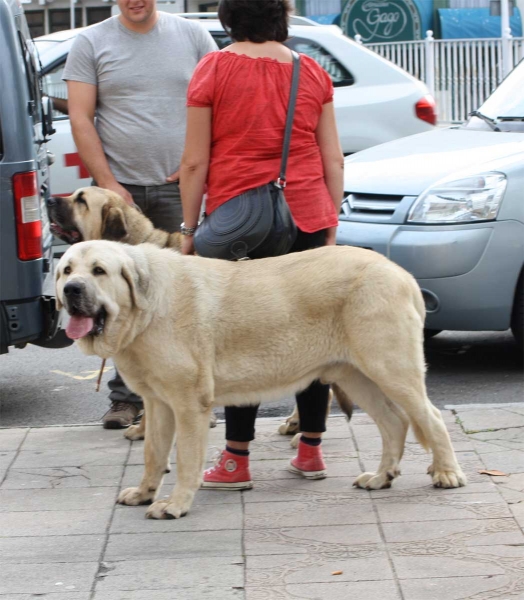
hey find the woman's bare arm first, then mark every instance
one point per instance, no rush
(194, 167)
(332, 160)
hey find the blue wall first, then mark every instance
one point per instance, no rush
(457, 23)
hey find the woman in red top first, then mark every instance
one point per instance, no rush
(237, 106)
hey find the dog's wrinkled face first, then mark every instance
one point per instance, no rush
(90, 213)
(103, 289)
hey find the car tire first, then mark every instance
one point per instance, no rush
(429, 333)
(517, 317)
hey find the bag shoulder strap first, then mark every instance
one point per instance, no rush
(289, 120)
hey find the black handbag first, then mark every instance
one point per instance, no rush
(258, 222)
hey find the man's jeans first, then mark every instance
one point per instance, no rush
(162, 205)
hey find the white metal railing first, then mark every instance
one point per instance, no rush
(517, 50)
(459, 73)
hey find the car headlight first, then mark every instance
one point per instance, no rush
(474, 198)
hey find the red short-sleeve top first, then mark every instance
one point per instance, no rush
(249, 98)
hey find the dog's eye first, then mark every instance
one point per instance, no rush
(80, 200)
(67, 270)
(98, 271)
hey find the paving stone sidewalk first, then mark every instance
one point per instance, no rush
(63, 538)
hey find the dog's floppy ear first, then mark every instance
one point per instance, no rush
(136, 274)
(58, 273)
(113, 223)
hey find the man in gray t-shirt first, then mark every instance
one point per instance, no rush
(131, 72)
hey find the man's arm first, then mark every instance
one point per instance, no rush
(60, 104)
(82, 105)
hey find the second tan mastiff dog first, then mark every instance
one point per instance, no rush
(190, 333)
(93, 213)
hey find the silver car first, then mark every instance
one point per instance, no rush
(448, 206)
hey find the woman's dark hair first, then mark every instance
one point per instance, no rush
(255, 20)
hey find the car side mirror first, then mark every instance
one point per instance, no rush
(47, 122)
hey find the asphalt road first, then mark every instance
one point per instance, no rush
(50, 387)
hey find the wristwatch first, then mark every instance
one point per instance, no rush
(187, 230)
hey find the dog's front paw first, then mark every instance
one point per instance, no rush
(448, 478)
(165, 509)
(135, 497)
(376, 481)
(134, 433)
(296, 439)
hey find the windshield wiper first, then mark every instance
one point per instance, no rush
(491, 122)
(510, 118)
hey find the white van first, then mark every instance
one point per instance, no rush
(375, 101)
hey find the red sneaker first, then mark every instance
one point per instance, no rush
(309, 462)
(231, 472)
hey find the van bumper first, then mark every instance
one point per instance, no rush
(35, 320)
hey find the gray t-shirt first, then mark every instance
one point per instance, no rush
(142, 83)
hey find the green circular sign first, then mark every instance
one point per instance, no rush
(381, 20)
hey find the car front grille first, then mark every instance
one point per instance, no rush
(370, 204)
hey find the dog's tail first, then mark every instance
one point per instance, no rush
(343, 400)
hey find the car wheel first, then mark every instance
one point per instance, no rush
(429, 333)
(517, 318)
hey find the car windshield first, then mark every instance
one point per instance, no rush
(505, 107)
(43, 46)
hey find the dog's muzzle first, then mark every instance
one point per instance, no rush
(84, 319)
(58, 217)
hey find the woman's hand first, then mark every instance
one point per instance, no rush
(188, 246)
(331, 236)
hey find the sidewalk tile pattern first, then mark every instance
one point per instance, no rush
(63, 538)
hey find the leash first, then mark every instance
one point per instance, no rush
(100, 375)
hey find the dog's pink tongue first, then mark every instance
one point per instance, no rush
(79, 327)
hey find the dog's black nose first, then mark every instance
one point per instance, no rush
(73, 288)
(52, 201)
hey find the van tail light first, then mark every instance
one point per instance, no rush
(27, 212)
(426, 109)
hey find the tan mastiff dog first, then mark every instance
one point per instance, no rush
(190, 333)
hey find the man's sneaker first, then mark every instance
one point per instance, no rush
(231, 472)
(120, 415)
(309, 462)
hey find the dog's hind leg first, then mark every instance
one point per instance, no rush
(430, 430)
(391, 421)
(191, 445)
(160, 431)
(400, 377)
